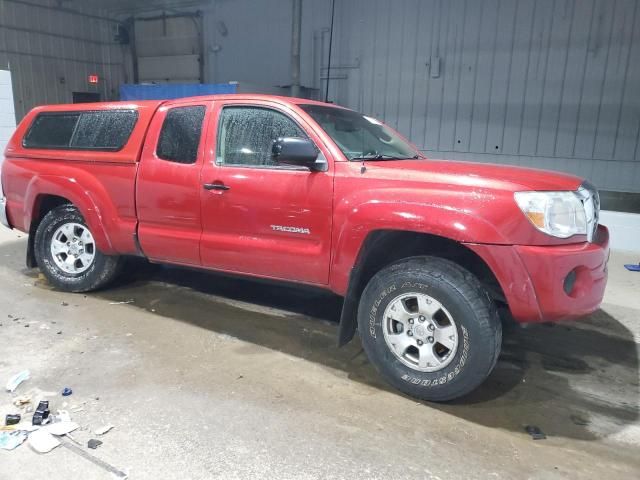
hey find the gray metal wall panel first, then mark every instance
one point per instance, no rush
(550, 83)
(43, 46)
(543, 83)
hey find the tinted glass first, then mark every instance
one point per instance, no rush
(246, 135)
(361, 137)
(99, 130)
(107, 130)
(51, 130)
(180, 135)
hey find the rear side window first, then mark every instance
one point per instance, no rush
(106, 130)
(51, 131)
(180, 134)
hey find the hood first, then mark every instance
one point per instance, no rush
(471, 174)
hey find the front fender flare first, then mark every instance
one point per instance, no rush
(361, 220)
(358, 221)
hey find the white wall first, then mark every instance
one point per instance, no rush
(7, 112)
(624, 230)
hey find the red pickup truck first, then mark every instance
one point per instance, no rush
(423, 251)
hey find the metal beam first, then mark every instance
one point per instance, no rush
(56, 35)
(62, 9)
(296, 27)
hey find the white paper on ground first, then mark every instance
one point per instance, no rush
(42, 441)
(61, 428)
(103, 430)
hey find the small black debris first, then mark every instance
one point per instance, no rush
(59, 333)
(42, 413)
(64, 304)
(535, 432)
(66, 392)
(26, 325)
(11, 419)
(93, 443)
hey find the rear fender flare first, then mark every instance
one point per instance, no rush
(66, 187)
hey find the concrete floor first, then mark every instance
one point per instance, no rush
(210, 377)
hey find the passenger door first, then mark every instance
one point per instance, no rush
(168, 184)
(259, 217)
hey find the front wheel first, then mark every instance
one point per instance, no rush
(430, 328)
(67, 254)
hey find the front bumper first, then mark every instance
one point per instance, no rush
(3, 212)
(550, 283)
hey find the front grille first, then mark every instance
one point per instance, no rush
(591, 200)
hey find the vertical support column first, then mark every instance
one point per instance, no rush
(296, 27)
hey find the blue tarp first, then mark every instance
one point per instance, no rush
(173, 90)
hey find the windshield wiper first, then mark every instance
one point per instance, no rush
(379, 156)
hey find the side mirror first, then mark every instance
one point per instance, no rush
(300, 152)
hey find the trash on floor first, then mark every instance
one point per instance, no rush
(632, 267)
(12, 419)
(103, 430)
(42, 441)
(44, 430)
(10, 440)
(61, 416)
(93, 443)
(22, 400)
(41, 415)
(124, 302)
(535, 432)
(17, 379)
(61, 428)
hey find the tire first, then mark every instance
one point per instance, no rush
(92, 269)
(456, 310)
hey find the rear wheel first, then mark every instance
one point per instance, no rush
(67, 254)
(430, 328)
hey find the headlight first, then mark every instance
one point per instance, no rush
(560, 214)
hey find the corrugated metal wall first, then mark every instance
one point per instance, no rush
(544, 83)
(50, 53)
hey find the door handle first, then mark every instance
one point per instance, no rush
(216, 186)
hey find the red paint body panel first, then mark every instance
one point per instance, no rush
(104, 193)
(168, 198)
(132, 191)
(237, 232)
(532, 277)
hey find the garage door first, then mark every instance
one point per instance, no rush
(168, 50)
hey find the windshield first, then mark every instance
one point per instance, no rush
(361, 137)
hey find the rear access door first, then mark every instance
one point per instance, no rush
(168, 183)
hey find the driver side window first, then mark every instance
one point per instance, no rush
(246, 135)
